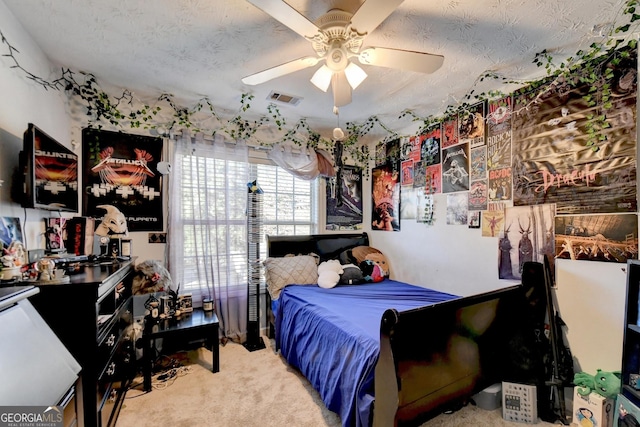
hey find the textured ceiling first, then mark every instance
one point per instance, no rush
(202, 48)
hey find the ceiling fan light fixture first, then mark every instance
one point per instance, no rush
(322, 78)
(355, 75)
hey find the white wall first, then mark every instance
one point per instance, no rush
(23, 102)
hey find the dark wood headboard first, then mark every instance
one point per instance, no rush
(327, 246)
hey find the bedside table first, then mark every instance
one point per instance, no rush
(197, 325)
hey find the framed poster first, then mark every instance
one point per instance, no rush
(605, 237)
(344, 200)
(386, 198)
(121, 170)
(455, 168)
(552, 159)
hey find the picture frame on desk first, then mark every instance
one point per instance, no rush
(120, 247)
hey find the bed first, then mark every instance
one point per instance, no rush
(389, 353)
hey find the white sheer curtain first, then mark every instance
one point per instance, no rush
(207, 235)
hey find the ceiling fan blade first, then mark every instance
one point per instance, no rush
(287, 15)
(372, 13)
(341, 89)
(401, 59)
(280, 70)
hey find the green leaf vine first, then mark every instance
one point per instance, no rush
(590, 66)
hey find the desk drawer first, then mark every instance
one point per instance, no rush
(121, 364)
(116, 333)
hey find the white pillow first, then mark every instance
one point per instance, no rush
(298, 270)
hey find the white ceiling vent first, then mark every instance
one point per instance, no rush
(284, 98)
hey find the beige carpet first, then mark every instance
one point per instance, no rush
(252, 389)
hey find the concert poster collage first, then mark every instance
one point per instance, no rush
(520, 169)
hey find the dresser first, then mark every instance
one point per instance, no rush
(91, 315)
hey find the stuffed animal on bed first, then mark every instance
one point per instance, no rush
(329, 273)
(351, 275)
(381, 261)
(371, 271)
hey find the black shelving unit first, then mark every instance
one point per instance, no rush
(631, 340)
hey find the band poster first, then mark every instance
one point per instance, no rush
(121, 170)
(471, 125)
(553, 162)
(450, 132)
(385, 186)
(499, 134)
(455, 168)
(528, 235)
(607, 237)
(431, 145)
(344, 200)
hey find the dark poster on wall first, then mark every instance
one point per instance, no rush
(471, 125)
(385, 192)
(608, 237)
(499, 133)
(121, 170)
(430, 143)
(344, 200)
(455, 168)
(552, 161)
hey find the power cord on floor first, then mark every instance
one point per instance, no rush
(167, 369)
(167, 378)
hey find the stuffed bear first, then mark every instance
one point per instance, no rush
(351, 275)
(329, 273)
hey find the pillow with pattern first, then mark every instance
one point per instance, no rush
(298, 270)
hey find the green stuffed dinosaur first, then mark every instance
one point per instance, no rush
(604, 383)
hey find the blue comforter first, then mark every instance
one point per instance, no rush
(333, 337)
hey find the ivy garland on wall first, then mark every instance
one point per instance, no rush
(125, 111)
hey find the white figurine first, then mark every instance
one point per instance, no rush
(114, 223)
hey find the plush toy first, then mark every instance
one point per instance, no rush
(351, 275)
(604, 383)
(381, 261)
(329, 273)
(150, 276)
(371, 271)
(359, 253)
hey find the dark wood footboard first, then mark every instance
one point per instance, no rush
(440, 355)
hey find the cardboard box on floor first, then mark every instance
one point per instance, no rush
(593, 410)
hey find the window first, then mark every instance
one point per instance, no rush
(289, 202)
(211, 205)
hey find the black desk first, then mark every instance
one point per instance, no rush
(190, 326)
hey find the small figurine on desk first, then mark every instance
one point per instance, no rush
(45, 266)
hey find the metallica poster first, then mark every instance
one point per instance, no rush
(121, 170)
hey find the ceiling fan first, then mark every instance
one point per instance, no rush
(337, 37)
